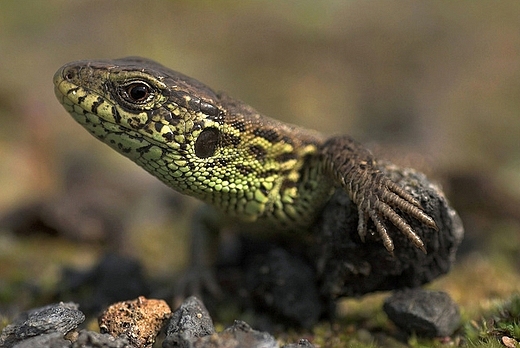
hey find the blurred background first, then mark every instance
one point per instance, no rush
(434, 85)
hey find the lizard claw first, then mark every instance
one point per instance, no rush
(381, 199)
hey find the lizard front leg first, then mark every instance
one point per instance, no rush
(376, 196)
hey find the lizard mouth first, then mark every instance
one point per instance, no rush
(100, 116)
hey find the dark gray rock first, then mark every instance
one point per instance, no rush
(189, 322)
(303, 343)
(91, 339)
(347, 266)
(192, 327)
(427, 313)
(285, 285)
(52, 340)
(55, 318)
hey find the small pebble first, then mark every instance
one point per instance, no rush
(509, 342)
(427, 313)
(139, 320)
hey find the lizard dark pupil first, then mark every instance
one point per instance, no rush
(138, 91)
(207, 142)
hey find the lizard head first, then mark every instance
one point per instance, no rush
(134, 102)
(196, 141)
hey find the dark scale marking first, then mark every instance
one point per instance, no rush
(264, 191)
(287, 184)
(258, 151)
(116, 115)
(190, 165)
(168, 136)
(123, 149)
(144, 149)
(230, 139)
(72, 90)
(266, 173)
(198, 125)
(158, 126)
(173, 121)
(135, 122)
(270, 135)
(239, 125)
(96, 104)
(82, 99)
(288, 140)
(167, 116)
(222, 162)
(286, 156)
(285, 172)
(243, 169)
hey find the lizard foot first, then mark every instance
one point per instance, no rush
(376, 196)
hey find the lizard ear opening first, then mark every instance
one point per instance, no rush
(207, 142)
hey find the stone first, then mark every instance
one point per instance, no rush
(423, 312)
(139, 320)
(286, 286)
(54, 340)
(348, 266)
(188, 323)
(54, 318)
(91, 339)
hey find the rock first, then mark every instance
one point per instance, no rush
(427, 313)
(239, 335)
(54, 340)
(139, 320)
(191, 326)
(285, 285)
(303, 343)
(187, 323)
(347, 266)
(245, 336)
(55, 318)
(91, 339)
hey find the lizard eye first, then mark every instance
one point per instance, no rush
(137, 92)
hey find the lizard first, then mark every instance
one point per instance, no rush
(223, 152)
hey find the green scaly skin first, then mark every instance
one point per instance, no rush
(223, 152)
